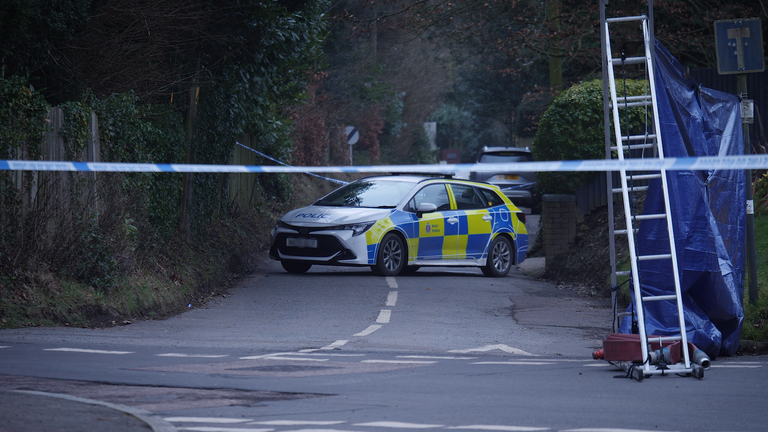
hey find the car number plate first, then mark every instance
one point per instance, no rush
(301, 242)
(510, 177)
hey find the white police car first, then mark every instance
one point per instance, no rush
(398, 223)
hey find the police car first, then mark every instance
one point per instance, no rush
(398, 223)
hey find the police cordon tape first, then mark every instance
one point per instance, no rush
(670, 164)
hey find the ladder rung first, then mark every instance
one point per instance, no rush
(654, 257)
(660, 298)
(623, 104)
(638, 137)
(664, 338)
(643, 176)
(650, 216)
(625, 19)
(636, 98)
(624, 232)
(628, 60)
(630, 189)
(629, 147)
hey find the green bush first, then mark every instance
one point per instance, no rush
(572, 129)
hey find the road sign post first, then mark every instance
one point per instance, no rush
(739, 45)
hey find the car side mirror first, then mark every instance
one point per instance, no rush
(425, 208)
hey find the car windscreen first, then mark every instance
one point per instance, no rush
(505, 157)
(368, 193)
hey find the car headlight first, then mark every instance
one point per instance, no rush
(356, 228)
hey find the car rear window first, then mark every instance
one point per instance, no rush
(505, 157)
(492, 198)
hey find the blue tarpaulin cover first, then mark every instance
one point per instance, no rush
(708, 214)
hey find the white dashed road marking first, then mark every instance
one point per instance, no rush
(369, 330)
(296, 423)
(220, 420)
(192, 355)
(501, 428)
(391, 282)
(399, 361)
(221, 429)
(384, 316)
(89, 351)
(501, 347)
(391, 299)
(399, 425)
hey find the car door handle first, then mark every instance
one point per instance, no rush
(487, 218)
(452, 220)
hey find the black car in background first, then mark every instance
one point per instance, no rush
(519, 187)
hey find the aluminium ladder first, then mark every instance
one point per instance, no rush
(628, 147)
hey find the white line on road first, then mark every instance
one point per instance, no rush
(384, 316)
(221, 429)
(88, 351)
(294, 358)
(295, 423)
(399, 425)
(391, 299)
(501, 428)
(437, 357)
(736, 366)
(399, 361)
(369, 330)
(501, 347)
(221, 420)
(192, 355)
(609, 430)
(391, 282)
(531, 363)
(4, 347)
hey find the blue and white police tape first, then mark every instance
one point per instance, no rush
(670, 164)
(341, 182)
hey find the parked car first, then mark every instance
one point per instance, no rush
(398, 223)
(519, 187)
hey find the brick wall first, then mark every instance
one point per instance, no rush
(559, 217)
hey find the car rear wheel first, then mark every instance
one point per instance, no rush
(499, 260)
(295, 267)
(391, 257)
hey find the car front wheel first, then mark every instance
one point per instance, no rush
(295, 267)
(499, 260)
(391, 257)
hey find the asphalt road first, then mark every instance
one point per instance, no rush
(339, 349)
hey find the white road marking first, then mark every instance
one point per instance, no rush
(391, 282)
(337, 344)
(597, 365)
(4, 347)
(319, 430)
(192, 355)
(369, 330)
(88, 351)
(205, 420)
(501, 347)
(610, 430)
(295, 359)
(399, 361)
(391, 299)
(263, 356)
(222, 429)
(384, 316)
(437, 357)
(736, 366)
(296, 423)
(531, 363)
(399, 425)
(324, 354)
(501, 428)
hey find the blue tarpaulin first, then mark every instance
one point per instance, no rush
(708, 213)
